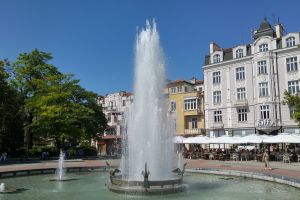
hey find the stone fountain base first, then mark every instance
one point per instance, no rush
(119, 185)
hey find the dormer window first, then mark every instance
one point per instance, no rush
(239, 53)
(216, 58)
(263, 48)
(290, 41)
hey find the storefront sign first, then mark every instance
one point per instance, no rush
(264, 123)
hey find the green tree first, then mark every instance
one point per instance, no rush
(56, 106)
(294, 102)
(10, 115)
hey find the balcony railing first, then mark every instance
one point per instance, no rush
(194, 131)
(241, 102)
(198, 111)
(218, 125)
(111, 108)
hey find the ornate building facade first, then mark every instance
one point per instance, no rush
(245, 85)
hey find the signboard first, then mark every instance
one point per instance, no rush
(264, 123)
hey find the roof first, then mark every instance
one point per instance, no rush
(199, 82)
(128, 94)
(178, 82)
(265, 29)
(265, 25)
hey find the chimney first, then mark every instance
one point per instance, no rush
(213, 47)
(278, 30)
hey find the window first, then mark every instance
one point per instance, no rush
(179, 89)
(242, 114)
(112, 104)
(173, 106)
(191, 104)
(263, 47)
(194, 123)
(124, 103)
(109, 117)
(173, 90)
(292, 111)
(217, 97)
(115, 117)
(290, 41)
(239, 53)
(264, 112)
(216, 58)
(216, 77)
(262, 67)
(241, 93)
(218, 116)
(263, 89)
(240, 73)
(291, 64)
(293, 87)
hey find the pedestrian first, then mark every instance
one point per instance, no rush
(265, 159)
(3, 156)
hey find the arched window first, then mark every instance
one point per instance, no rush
(290, 41)
(216, 58)
(239, 53)
(263, 47)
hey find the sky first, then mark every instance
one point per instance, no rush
(94, 39)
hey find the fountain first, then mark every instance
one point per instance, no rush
(60, 171)
(5, 189)
(2, 187)
(148, 151)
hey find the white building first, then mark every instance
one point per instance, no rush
(244, 85)
(114, 106)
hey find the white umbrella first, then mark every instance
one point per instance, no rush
(252, 139)
(222, 140)
(283, 138)
(196, 140)
(178, 139)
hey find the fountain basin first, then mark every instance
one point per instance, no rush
(63, 179)
(156, 187)
(91, 186)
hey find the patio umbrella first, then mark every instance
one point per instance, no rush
(252, 139)
(196, 140)
(222, 140)
(283, 138)
(178, 139)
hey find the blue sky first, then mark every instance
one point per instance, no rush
(94, 39)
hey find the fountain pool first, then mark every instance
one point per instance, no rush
(91, 186)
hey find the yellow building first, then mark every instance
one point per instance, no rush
(186, 101)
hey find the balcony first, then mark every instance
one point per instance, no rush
(218, 125)
(195, 131)
(111, 108)
(241, 102)
(197, 111)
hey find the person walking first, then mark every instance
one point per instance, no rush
(3, 156)
(265, 159)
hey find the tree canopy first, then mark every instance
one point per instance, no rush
(10, 115)
(293, 101)
(52, 104)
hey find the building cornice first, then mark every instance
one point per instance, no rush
(229, 62)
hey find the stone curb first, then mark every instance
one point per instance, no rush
(266, 177)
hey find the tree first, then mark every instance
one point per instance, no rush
(56, 106)
(10, 116)
(294, 102)
(30, 71)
